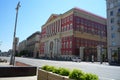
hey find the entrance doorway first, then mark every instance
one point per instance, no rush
(89, 53)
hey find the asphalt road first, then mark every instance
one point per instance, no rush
(104, 71)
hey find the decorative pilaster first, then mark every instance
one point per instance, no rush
(81, 53)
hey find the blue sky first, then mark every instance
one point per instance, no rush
(34, 13)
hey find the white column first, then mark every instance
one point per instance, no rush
(60, 26)
(59, 47)
(81, 52)
(109, 54)
(55, 46)
(98, 53)
(47, 47)
(57, 26)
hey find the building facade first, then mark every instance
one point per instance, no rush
(76, 33)
(22, 46)
(113, 30)
(33, 44)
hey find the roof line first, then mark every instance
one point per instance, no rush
(89, 13)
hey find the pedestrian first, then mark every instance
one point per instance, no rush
(92, 58)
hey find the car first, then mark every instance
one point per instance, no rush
(3, 60)
(76, 59)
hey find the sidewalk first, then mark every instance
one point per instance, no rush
(98, 63)
(2, 64)
(20, 78)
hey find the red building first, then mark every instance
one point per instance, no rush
(76, 33)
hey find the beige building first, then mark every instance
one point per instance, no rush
(113, 30)
(22, 46)
(33, 44)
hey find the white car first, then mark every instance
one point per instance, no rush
(76, 59)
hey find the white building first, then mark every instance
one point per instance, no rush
(33, 44)
(113, 30)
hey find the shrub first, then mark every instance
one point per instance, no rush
(56, 70)
(50, 68)
(64, 71)
(89, 76)
(45, 67)
(76, 74)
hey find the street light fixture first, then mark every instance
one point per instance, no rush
(12, 60)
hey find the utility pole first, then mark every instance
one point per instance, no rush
(12, 60)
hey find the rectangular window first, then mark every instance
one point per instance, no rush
(71, 26)
(77, 20)
(68, 19)
(111, 13)
(112, 20)
(66, 44)
(64, 20)
(111, 5)
(113, 35)
(81, 21)
(112, 27)
(118, 10)
(68, 27)
(70, 44)
(71, 18)
(62, 29)
(113, 43)
(118, 3)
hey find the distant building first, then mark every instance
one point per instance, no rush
(33, 44)
(10, 52)
(22, 46)
(76, 33)
(15, 44)
(5, 54)
(113, 30)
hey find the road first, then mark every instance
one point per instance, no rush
(104, 71)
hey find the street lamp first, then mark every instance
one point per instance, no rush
(12, 60)
(101, 58)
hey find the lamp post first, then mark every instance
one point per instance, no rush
(0, 42)
(12, 60)
(101, 57)
(101, 48)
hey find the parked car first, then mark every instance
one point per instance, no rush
(76, 59)
(3, 60)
